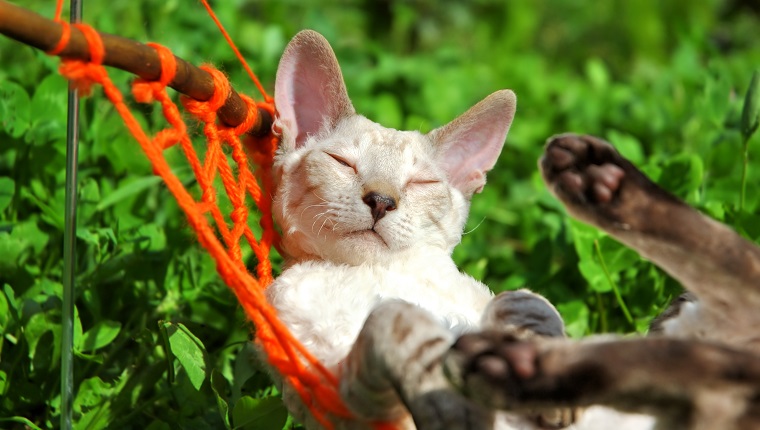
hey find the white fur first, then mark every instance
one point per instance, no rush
(325, 304)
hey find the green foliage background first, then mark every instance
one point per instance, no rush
(161, 343)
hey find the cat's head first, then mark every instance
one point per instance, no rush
(351, 191)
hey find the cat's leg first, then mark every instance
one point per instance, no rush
(598, 186)
(525, 315)
(395, 366)
(686, 384)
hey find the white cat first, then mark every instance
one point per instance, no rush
(370, 216)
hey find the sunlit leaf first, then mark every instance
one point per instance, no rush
(100, 335)
(93, 400)
(128, 190)
(189, 352)
(594, 274)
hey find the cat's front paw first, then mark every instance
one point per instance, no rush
(491, 369)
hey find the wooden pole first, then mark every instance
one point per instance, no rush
(39, 32)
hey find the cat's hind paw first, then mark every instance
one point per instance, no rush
(491, 367)
(601, 187)
(583, 169)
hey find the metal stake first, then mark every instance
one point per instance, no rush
(69, 246)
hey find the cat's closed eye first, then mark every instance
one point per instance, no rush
(342, 161)
(423, 181)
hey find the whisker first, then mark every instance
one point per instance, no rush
(322, 226)
(312, 206)
(474, 228)
(319, 197)
(318, 216)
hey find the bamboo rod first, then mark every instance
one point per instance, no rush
(39, 32)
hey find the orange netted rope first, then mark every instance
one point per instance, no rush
(315, 384)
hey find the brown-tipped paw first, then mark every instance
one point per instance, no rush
(599, 186)
(583, 169)
(490, 368)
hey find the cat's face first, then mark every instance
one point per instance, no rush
(351, 191)
(366, 192)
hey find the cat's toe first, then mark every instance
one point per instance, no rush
(557, 418)
(605, 181)
(560, 157)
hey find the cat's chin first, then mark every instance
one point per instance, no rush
(361, 247)
(370, 236)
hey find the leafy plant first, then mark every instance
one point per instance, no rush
(161, 343)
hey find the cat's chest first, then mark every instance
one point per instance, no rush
(325, 305)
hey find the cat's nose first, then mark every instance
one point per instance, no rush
(379, 204)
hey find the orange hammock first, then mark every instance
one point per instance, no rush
(316, 385)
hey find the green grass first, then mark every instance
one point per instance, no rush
(161, 343)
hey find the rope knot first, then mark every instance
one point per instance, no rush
(82, 74)
(146, 91)
(239, 215)
(206, 110)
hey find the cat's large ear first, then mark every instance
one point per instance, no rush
(469, 146)
(309, 89)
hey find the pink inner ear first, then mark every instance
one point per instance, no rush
(309, 90)
(471, 156)
(471, 144)
(308, 105)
